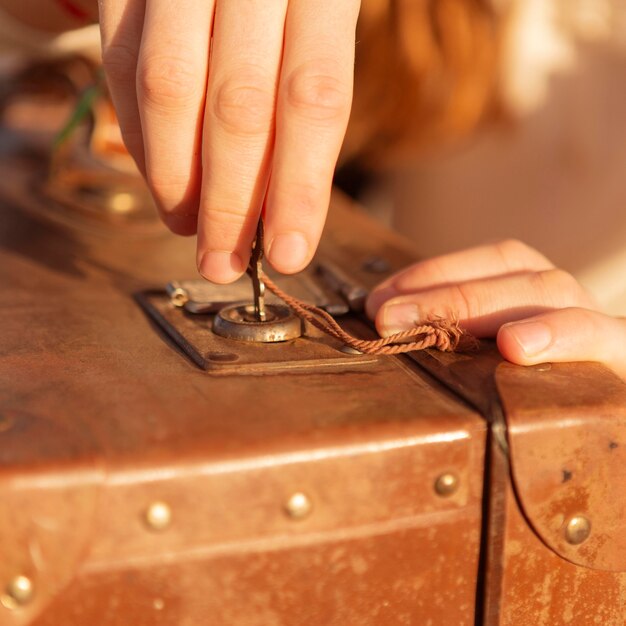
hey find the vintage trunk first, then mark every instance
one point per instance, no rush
(108, 429)
(154, 474)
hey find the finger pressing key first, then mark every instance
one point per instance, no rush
(238, 132)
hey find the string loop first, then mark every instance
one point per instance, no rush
(445, 335)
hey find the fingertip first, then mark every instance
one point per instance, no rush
(397, 316)
(508, 345)
(221, 267)
(289, 252)
(526, 342)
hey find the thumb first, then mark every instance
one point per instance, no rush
(566, 335)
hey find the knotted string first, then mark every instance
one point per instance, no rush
(445, 335)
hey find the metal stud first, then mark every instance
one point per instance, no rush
(577, 529)
(177, 293)
(446, 484)
(298, 506)
(18, 592)
(158, 515)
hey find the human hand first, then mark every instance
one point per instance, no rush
(260, 125)
(509, 291)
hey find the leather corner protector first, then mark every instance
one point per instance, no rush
(566, 428)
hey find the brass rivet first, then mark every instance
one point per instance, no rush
(158, 516)
(179, 297)
(446, 484)
(298, 506)
(577, 530)
(18, 592)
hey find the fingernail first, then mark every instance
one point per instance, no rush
(220, 266)
(288, 252)
(532, 337)
(398, 317)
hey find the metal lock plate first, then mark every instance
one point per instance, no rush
(203, 297)
(189, 311)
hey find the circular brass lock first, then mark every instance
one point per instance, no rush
(239, 322)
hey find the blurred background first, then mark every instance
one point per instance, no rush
(514, 126)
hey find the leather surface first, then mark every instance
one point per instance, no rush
(110, 416)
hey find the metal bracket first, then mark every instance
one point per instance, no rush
(199, 317)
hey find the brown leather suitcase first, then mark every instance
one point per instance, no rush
(154, 473)
(555, 489)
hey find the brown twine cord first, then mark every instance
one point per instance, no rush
(445, 335)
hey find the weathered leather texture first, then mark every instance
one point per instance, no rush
(103, 416)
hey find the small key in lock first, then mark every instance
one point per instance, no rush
(254, 271)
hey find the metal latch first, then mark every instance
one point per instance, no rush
(216, 327)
